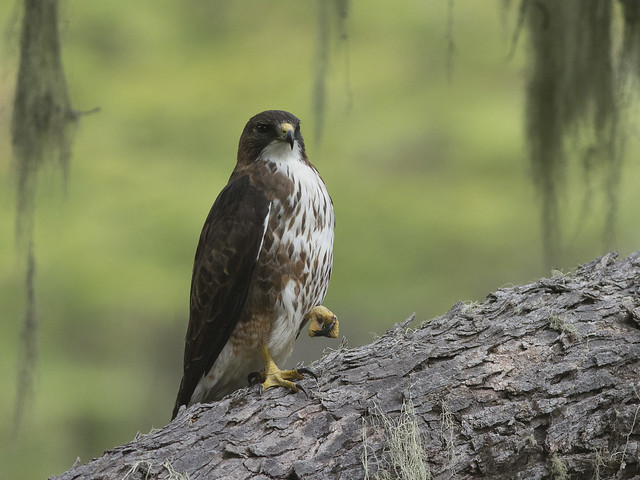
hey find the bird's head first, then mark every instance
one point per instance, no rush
(271, 134)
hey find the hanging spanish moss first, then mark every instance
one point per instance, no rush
(29, 352)
(332, 15)
(42, 114)
(451, 46)
(575, 107)
(631, 37)
(41, 128)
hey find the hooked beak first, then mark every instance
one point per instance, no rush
(288, 134)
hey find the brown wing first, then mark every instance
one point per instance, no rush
(225, 259)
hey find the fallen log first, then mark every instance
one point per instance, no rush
(538, 381)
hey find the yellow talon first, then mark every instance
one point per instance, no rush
(272, 376)
(323, 322)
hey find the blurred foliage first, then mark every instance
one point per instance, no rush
(577, 92)
(429, 179)
(40, 131)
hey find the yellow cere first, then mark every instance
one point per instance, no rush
(286, 127)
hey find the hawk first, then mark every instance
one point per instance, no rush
(262, 266)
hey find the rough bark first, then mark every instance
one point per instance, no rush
(538, 381)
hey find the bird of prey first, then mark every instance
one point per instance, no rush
(262, 266)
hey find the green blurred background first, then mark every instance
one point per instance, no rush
(424, 158)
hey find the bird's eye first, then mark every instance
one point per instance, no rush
(262, 128)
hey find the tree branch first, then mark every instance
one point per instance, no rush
(538, 381)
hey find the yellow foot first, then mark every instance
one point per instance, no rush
(272, 376)
(323, 322)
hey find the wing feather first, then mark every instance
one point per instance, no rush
(225, 259)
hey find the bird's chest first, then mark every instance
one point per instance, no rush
(295, 263)
(300, 250)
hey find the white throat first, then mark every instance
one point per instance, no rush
(289, 162)
(281, 153)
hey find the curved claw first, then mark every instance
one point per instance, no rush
(325, 331)
(301, 388)
(308, 372)
(323, 322)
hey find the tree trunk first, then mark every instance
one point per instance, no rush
(538, 381)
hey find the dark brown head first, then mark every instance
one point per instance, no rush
(276, 129)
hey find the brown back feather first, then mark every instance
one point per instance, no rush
(222, 272)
